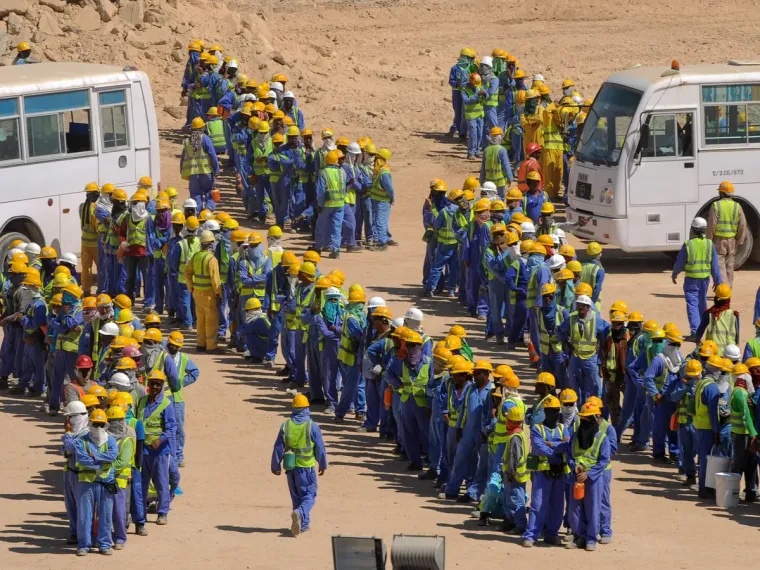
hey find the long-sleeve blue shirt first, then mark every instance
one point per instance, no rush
(250, 276)
(188, 77)
(603, 459)
(496, 261)
(300, 416)
(208, 148)
(256, 335)
(322, 183)
(555, 453)
(654, 370)
(705, 320)
(503, 158)
(711, 399)
(192, 372)
(168, 423)
(680, 265)
(386, 183)
(597, 287)
(95, 458)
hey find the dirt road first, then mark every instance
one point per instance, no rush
(235, 513)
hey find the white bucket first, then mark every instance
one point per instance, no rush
(715, 464)
(727, 490)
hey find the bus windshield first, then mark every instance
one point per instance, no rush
(607, 124)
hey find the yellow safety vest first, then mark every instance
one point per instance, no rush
(376, 191)
(259, 290)
(187, 249)
(153, 424)
(348, 345)
(201, 274)
(215, 130)
(69, 341)
(335, 186)
(548, 342)
(522, 475)
(136, 232)
(583, 346)
(472, 110)
(297, 438)
(588, 458)
(500, 431)
(125, 474)
(87, 474)
(699, 252)
(543, 461)
(701, 414)
(89, 235)
(494, 172)
(445, 234)
(727, 218)
(722, 330)
(195, 162)
(415, 387)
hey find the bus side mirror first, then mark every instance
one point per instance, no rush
(643, 140)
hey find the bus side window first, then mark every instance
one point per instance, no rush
(113, 119)
(662, 141)
(58, 123)
(753, 122)
(685, 123)
(10, 149)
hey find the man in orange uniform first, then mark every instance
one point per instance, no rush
(205, 285)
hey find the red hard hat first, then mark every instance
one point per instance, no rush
(533, 147)
(132, 351)
(84, 361)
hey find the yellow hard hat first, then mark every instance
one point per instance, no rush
(122, 301)
(576, 267)
(145, 181)
(300, 401)
(197, 123)
(74, 290)
(726, 187)
(139, 196)
(563, 275)
(119, 195)
(56, 300)
(568, 396)
(308, 268)
(138, 335)
(567, 250)
(567, 83)
(252, 304)
(546, 378)
(482, 205)
(727, 365)
(467, 52)
(238, 235)
(620, 306)
(537, 248)
(91, 187)
(192, 223)
(59, 281)
(510, 379)
(19, 257)
(33, 280)
(462, 367)
(125, 316)
(311, 256)
(657, 334)
(48, 252)
(383, 312)
(23, 46)
(543, 89)
(153, 334)
(502, 370)
(205, 215)
(514, 194)
(547, 208)
(483, 365)
(498, 206)
(531, 94)
(412, 337)
(496, 131)
(551, 403)
(515, 414)
(453, 342)
(519, 74)
(545, 240)
(469, 195)
(126, 363)
(533, 175)
(178, 218)
(114, 412)
(722, 292)
(331, 158)
(357, 296)
(752, 362)
(739, 369)
(526, 245)
(593, 248)
(293, 131)
(617, 317)
(98, 416)
(254, 238)
(97, 390)
(157, 376)
(88, 302)
(650, 326)
(176, 338)
(470, 183)
(277, 138)
(384, 153)
(589, 409)
(454, 194)
(307, 133)
(548, 289)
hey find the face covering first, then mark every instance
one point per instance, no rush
(118, 429)
(530, 106)
(568, 413)
(88, 314)
(139, 213)
(255, 253)
(587, 429)
(497, 217)
(331, 311)
(251, 316)
(274, 244)
(567, 91)
(514, 427)
(78, 424)
(98, 435)
(655, 348)
(673, 358)
(150, 354)
(414, 354)
(551, 415)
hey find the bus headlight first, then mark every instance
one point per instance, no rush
(606, 196)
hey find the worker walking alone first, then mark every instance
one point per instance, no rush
(205, 285)
(300, 450)
(727, 227)
(199, 164)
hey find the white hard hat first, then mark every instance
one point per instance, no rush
(109, 329)
(375, 302)
(699, 223)
(21, 247)
(555, 240)
(415, 314)
(732, 352)
(271, 94)
(189, 203)
(583, 300)
(538, 77)
(33, 249)
(232, 64)
(397, 322)
(560, 233)
(211, 225)
(487, 60)
(528, 228)
(207, 236)
(276, 85)
(354, 148)
(14, 251)
(68, 258)
(577, 99)
(489, 187)
(119, 380)
(288, 95)
(332, 292)
(556, 261)
(75, 408)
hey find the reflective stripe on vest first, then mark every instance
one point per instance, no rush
(153, 424)
(722, 330)
(195, 162)
(137, 232)
(453, 412)
(112, 236)
(303, 302)
(685, 409)
(261, 167)
(69, 341)
(201, 275)
(348, 345)
(445, 234)
(521, 475)
(553, 136)
(376, 191)
(123, 476)
(258, 290)
(589, 273)
(699, 252)
(754, 346)
(215, 130)
(472, 110)
(701, 414)
(297, 438)
(549, 342)
(492, 100)
(530, 302)
(726, 218)
(88, 474)
(335, 187)
(500, 430)
(738, 425)
(584, 346)
(89, 236)
(187, 249)
(417, 386)
(494, 171)
(588, 458)
(558, 433)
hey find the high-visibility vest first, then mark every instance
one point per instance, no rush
(738, 404)
(125, 474)
(588, 458)
(558, 432)
(258, 290)
(552, 134)
(304, 175)
(584, 346)
(348, 345)
(493, 99)
(659, 380)
(187, 249)
(69, 341)
(452, 410)
(500, 430)
(701, 414)
(261, 168)
(522, 173)
(30, 309)
(86, 215)
(112, 235)
(754, 346)
(699, 252)
(275, 172)
(215, 130)
(417, 386)
(88, 474)
(727, 218)
(201, 274)
(722, 330)
(195, 162)
(445, 234)
(153, 423)
(335, 186)
(376, 191)
(472, 110)
(224, 261)
(549, 343)
(274, 291)
(522, 475)
(241, 147)
(178, 396)
(532, 287)
(297, 438)
(589, 273)
(303, 302)
(494, 171)
(685, 410)
(137, 232)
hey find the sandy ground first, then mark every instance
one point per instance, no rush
(234, 512)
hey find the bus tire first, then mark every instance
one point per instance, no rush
(745, 250)
(7, 239)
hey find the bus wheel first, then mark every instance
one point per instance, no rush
(7, 239)
(744, 250)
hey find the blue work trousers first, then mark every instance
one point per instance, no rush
(547, 505)
(70, 482)
(584, 514)
(364, 218)
(437, 441)
(490, 120)
(464, 465)
(375, 405)
(329, 229)
(92, 498)
(514, 505)
(299, 363)
(120, 503)
(662, 411)
(583, 377)
(302, 483)
(314, 366)
(281, 200)
(275, 330)
(354, 390)
(63, 366)
(258, 206)
(477, 300)
(478, 484)
(288, 344)
(349, 225)
(396, 411)
(137, 498)
(184, 305)
(497, 304)
(381, 213)
(416, 431)
(223, 310)
(33, 366)
(155, 468)
(13, 341)
(328, 360)
(456, 104)
(634, 401)
(445, 257)
(687, 446)
(179, 414)
(474, 136)
(519, 315)
(160, 284)
(695, 293)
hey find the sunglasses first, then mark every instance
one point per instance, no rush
(159, 384)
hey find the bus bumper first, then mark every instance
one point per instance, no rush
(599, 228)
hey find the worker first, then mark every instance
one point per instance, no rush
(579, 335)
(187, 374)
(613, 357)
(438, 467)
(223, 254)
(752, 348)
(530, 164)
(720, 323)
(115, 235)
(68, 326)
(549, 317)
(254, 268)
(157, 415)
(214, 129)
(95, 452)
(199, 164)
(331, 195)
(204, 283)
(23, 54)
(496, 260)
(140, 232)
(552, 160)
(89, 240)
(549, 447)
(538, 275)
(727, 227)
(260, 147)
(682, 393)
(179, 252)
(349, 358)
(298, 449)
(379, 352)
(446, 240)
(593, 273)
(699, 260)
(357, 184)
(188, 82)
(254, 330)
(478, 239)
(434, 203)
(458, 77)
(83, 380)
(495, 167)
(490, 83)
(534, 197)
(743, 432)
(162, 233)
(76, 426)
(329, 323)
(473, 97)
(122, 467)
(34, 326)
(102, 213)
(531, 120)
(382, 196)
(518, 276)
(706, 421)
(590, 453)
(515, 471)
(275, 288)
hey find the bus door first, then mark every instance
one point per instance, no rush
(664, 168)
(116, 159)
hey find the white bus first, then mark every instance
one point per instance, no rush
(63, 125)
(656, 144)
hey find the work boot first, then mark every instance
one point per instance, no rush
(413, 467)
(527, 543)
(354, 248)
(552, 540)
(660, 458)
(335, 254)
(707, 494)
(162, 520)
(140, 530)
(295, 523)
(106, 552)
(118, 546)
(181, 463)
(361, 417)
(506, 526)
(284, 371)
(72, 539)
(690, 481)
(605, 540)
(82, 552)
(590, 546)
(392, 242)
(576, 544)
(749, 497)
(483, 521)
(428, 475)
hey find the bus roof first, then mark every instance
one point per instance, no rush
(45, 77)
(643, 78)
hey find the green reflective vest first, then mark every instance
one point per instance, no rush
(522, 474)
(137, 232)
(754, 346)
(69, 341)
(417, 386)
(297, 438)
(453, 411)
(588, 458)
(685, 411)
(376, 191)
(557, 433)
(722, 330)
(201, 274)
(335, 186)
(195, 162)
(89, 236)
(153, 424)
(215, 130)
(549, 343)
(88, 474)
(188, 247)
(699, 252)
(260, 155)
(445, 234)
(726, 217)
(589, 272)
(741, 418)
(493, 99)
(472, 110)
(348, 345)
(125, 474)
(112, 235)
(500, 430)
(257, 290)
(584, 346)
(494, 171)
(701, 415)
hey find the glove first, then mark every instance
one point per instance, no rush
(377, 369)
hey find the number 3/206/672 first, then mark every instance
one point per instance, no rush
(728, 172)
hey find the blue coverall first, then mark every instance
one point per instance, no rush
(354, 389)
(634, 398)
(708, 438)
(327, 356)
(414, 417)
(156, 461)
(662, 409)
(70, 479)
(518, 275)
(64, 359)
(379, 353)
(479, 238)
(33, 362)
(201, 184)
(445, 254)
(687, 433)
(496, 263)
(695, 290)
(585, 514)
(92, 496)
(255, 335)
(381, 211)
(582, 374)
